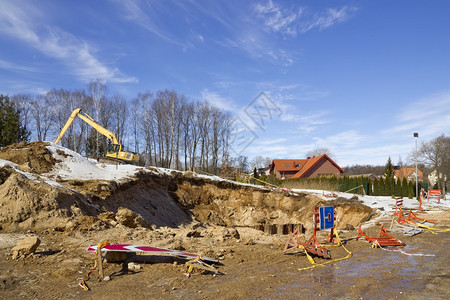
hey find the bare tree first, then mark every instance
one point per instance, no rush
(260, 162)
(97, 92)
(23, 101)
(435, 154)
(319, 151)
(242, 163)
(40, 113)
(119, 116)
(187, 116)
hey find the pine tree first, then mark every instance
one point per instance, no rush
(389, 178)
(376, 187)
(410, 190)
(389, 169)
(404, 187)
(11, 129)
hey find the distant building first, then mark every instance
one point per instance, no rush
(408, 173)
(263, 171)
(372, 177)
(319, 166)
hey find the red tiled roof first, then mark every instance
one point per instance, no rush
(287, 165)
(314, 161)
(302, 166)
(406, 172)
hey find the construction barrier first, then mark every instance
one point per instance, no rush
(323, 218)
(434, 194)
(422, 196)
(383, 239)
(398, 206)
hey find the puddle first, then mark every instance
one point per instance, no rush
(372, 274)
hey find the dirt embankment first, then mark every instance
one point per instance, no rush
(148, 200)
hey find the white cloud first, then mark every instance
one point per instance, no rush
(331, 17)
(430, 117)
(144, 16)
(218, 101)
(15, 67)
(291, 21)
(311, 121)
(346, 139)
(278, 19)
(21, 22)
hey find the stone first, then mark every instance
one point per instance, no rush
(349, 227)
(230, 233)
(134, 266)
(25, 247)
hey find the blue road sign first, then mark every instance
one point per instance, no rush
(326, 217)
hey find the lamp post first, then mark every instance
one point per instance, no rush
(416, 135)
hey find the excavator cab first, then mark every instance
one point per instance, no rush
(114, 149)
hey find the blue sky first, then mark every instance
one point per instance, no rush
(357, 77)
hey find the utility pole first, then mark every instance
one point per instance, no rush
(416, 135)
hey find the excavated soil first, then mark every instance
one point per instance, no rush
(240, 225)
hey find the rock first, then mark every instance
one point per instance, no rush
(349, 227)
(193, 233)
(134, 266)
(178, 245)
(126, 217)
(25, 247)
(230, 233)
(130, 219)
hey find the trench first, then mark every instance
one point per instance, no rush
(277, 229)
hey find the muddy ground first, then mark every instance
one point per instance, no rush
(213, 218)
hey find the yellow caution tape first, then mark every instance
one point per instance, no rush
(431, 229)
(314, 264)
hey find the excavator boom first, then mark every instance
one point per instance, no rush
(115, 151)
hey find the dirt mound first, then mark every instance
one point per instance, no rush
(32, 202)
(351, 211)
(31, 157)
(148, 200)
(227, 204)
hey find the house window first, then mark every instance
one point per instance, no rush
(325, 175)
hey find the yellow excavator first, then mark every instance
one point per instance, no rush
(114, 149)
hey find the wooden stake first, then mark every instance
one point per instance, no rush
(100, 265)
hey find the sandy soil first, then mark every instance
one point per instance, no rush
(253, 267)
(213, 218)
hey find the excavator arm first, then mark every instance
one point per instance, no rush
(90, 121)
(115, 149)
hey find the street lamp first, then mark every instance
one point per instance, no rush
(416, 135)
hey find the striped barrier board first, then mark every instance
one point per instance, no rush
(147, 249)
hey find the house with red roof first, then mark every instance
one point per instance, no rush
(313, 167)
(409, 173)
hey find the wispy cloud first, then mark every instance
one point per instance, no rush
(219, 101)
(256, 45)
(327, 19)
(291, 21)
(429, 116)
(346, 139)
(15, 67)
(144, 15)
(311, 121)
(279, 19)
(24, 23)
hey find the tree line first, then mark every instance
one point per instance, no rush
(165, 127)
